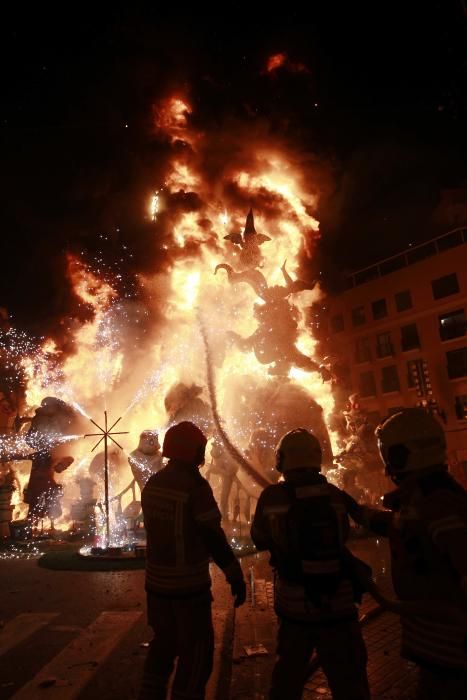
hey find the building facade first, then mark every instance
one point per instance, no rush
(401, 329)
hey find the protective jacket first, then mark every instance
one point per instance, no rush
(304, 523)
(183, 525)
(427, 531)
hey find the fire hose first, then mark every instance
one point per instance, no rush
(229, 446)
(436, 610)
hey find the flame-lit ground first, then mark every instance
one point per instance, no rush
(191, 213)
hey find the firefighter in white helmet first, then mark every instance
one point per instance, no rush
(427, 530)
(303, 522)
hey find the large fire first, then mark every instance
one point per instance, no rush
(109, 371)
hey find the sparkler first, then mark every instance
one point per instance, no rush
(105, 435)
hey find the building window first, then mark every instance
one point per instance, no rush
(445, 286)
(461, 407)
(452, 325)
(337, 323)
(389, 379)
(358, 316)
(367, 384)
(457, 363)
(409, 337)
(363, 350)
(403, 300)
(379, 309)
(384, 346)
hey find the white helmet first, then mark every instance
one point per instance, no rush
(298, 449)
(409, 441)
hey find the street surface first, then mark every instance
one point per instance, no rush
(76, 634)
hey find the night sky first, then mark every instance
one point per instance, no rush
(378, 97)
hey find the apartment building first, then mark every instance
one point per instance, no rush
(401, 329)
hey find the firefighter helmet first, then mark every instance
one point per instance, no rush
(298, 449)
(410, 440)
(185, 442)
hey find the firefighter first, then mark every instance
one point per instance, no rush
(303, 522)
(183, 526)
(427, 530)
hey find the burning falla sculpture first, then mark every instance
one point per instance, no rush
(274, 341)
(146, 460)
(8, 482)
(360, 456)
(184, 402)
(249, 243)
(360, 443)
(53, 421)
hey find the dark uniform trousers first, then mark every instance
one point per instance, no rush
(183, 526)
(341, 652)
(182, 630)
(331, 629)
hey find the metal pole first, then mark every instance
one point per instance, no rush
(104, 435)
(106, 486)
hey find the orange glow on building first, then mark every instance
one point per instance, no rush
(401, 328)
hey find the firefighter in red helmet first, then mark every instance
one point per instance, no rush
(183, 526)
(303, 522)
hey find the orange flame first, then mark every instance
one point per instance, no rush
(89, 288)
(106, 361)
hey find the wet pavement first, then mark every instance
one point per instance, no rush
(84, 634)
(391, 678)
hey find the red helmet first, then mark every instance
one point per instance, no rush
(186, 442)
